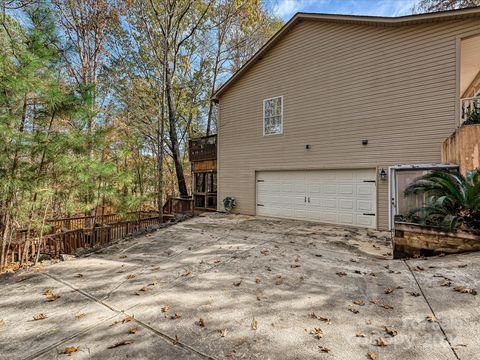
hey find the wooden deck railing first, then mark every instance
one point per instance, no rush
(177, 205)
(469, 107)
(67, 242)
(204, 148)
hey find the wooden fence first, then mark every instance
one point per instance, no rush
(67, 242)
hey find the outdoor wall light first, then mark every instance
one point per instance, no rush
(383, 174)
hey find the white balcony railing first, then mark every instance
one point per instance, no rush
(470, 107)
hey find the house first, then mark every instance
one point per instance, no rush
(336, 114)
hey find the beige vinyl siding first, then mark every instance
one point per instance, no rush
(341, 83)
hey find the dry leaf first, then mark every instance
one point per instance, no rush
(413, 293)
(388, 290)
(165, 308)
(341, 273)
(258, 280)
(79, 275)
(374, 301)
(70, 349)
(446, 283)
(381, 342)
(201, 322)
(418, 268)
(237, 283)
(81, 315)
(145, 288)
(317, 332)
(130, 277)
(390, 331)
(121, 343)
(187, 273)
(359, 334)
(372, 355)
(2, 323)
(133, 330)
(465, 290)
(359, 302)
(431, 318)
(387, 306)
(175, 316)
(264, 252)
(40, 316)
(324, 349)
(355, 311)
(254, 324)
(223, 333)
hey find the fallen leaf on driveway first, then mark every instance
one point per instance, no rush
(341, 273)
(133, 330)
(81, 315)
(372, 355)
(446, 283)
(79, 275)
(355, 311)
(374, 301)
(413, 293)
(322, 318)
(121, 343)
(390, 331)
(237, 283)
(264, 252)
(130, 277)
(165, 308)
(387, 306)
(381, 342)
(254, 324)
(258, 280)
(359, 302)
(223, 333)
(431, 318)
(201, 322)
(70, 350)
(388, 291)
(175, 316)
(40, 316)
(293, 266)
(465, 290)
(317, 332)
(187, 273)
(418, 268)
(50, 295)
(324, 349)
(2, 323)
(359, 334)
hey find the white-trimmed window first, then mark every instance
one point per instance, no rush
(273, 116)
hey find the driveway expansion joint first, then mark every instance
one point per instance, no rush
(431, 309)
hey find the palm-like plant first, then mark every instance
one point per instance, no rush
(453, 200)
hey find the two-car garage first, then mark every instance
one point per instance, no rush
(344, 197)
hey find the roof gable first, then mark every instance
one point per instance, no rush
(346, 19)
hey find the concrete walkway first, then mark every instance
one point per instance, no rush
(238, 287)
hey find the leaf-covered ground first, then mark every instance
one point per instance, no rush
(238, 287)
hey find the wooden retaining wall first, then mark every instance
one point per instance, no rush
(463, 148)
(413, 240)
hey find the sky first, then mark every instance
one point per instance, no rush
(285, 9)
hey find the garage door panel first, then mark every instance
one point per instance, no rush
(346, 204)
(336, 196)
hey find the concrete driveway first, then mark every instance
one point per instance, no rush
(238, 287)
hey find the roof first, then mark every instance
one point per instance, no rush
(381, 21)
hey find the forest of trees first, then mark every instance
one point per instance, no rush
(98, 99)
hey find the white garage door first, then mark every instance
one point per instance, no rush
(346, 197)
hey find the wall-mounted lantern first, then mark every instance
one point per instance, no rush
(383, 174)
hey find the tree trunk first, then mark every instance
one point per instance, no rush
(182, 185)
